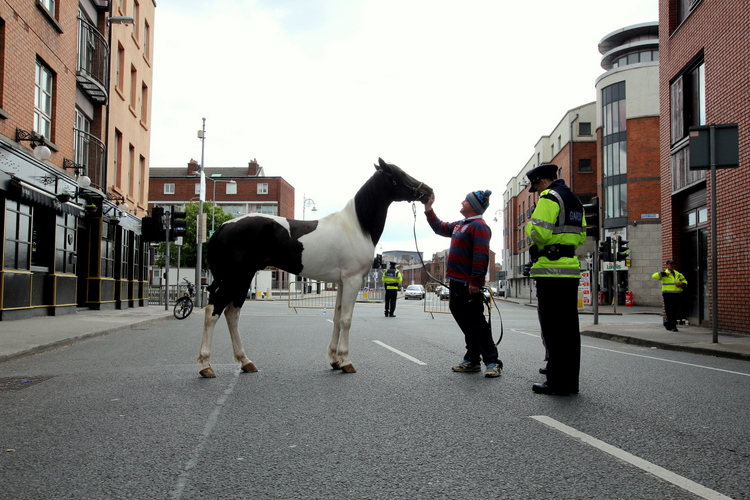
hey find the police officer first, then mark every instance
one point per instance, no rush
(392, 280)
(672, 284)
(556, 228)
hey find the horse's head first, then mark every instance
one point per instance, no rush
(405, 187)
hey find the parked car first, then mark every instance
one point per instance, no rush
(443, 292)
(414, 292)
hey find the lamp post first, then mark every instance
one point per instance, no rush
(307, 202)
(199, 221)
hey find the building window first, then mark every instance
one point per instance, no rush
(133, 87)
(81, 151)
(231, 187)
(44, 87)
(17, 235)
(198, 189)
(584, 128)
(108, 251)
(135, 17)
(263, 188)
(142, 195)
(585, 166)
(49, 5)
(169, 187)
(146, 39)
(144, 103)
(120, 68)
(117, 160)
(688, 101)
(132, 171)
(65, 242)
(614, 151)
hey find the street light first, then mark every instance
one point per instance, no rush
(213, 200)
(307, 203)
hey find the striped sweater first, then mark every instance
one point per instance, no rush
(469, 254)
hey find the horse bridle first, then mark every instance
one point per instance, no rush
(415, 190)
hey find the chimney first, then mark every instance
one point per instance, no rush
(252, 168)
(193, 166)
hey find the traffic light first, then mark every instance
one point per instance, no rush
(605, 249)
(623, 252)
(592, 217)
(377, 262)
(178, 224)
(152, 227)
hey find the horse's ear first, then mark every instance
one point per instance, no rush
(382, 166)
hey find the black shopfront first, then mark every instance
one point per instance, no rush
(64, 247)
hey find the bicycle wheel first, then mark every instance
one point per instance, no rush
(183, 308)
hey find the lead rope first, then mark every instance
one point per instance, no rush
(489, 290)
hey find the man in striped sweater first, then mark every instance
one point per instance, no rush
(466, 269)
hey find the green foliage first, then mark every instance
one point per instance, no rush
(189, 250)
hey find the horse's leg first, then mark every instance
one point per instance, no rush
(232, 314)
(333, 346)
(204, 356)
(344, 309)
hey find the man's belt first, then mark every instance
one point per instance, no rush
(555, 252)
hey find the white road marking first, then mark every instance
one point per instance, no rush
(647, 357)
(195, 456)
(645, 465)
(410, 358)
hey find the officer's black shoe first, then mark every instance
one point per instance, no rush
(551, 391)
(543, 371)
(393, 315)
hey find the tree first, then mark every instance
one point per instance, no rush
(189, 248)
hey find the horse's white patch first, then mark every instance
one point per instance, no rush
(279, 220)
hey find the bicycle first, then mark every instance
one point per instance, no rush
(184, 305)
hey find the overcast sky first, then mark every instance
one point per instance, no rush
(455, 93)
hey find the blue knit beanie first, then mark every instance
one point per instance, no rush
(479, 200)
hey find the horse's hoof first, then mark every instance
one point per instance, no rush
(249, 367)
(207, 373)
(336, 365)
(348, 369)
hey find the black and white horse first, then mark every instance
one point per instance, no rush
(338, 248)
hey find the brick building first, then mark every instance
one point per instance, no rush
(69, 239)
(704, 80)
(237, 190)
(606, 149)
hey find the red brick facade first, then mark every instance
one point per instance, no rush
(715, 31)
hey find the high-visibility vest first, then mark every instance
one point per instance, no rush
(392, 279)
(557, 220)
(670, 281)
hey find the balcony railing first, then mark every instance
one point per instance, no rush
(92, 72)
(91, 153)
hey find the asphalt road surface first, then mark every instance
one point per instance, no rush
(127, 416)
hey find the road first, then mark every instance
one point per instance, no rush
(126, 416)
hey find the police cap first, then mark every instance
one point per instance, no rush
(543, 171)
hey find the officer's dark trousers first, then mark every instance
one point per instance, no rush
(390, 301)
(468, 311)
(557, 307)
(671, 309)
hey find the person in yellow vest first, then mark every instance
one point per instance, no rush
(673, 283)
(556, 229)
(392, 280)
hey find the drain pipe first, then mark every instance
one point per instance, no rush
(571, 152)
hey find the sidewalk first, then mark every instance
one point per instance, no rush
(692, 338)
(23, 337)
(29, 336)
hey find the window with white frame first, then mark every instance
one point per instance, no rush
(44, 85)
(169, 188)
(263, 188)
(198, 188)
(49, 5)
(231, 188)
